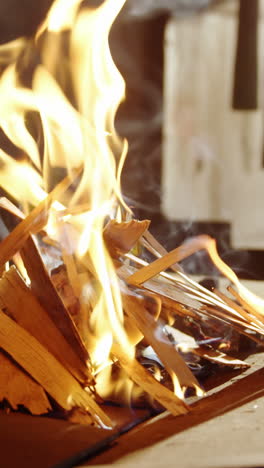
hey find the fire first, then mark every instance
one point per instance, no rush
(73, 106)
(79, 135)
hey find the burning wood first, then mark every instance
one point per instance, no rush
(46, 343)
(65, 329)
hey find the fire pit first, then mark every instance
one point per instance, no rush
(92, 322)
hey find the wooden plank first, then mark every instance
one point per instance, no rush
(46, 370)
(42, 287)
(37, 442)
(205, 141)
(25, 309)
(19, 388)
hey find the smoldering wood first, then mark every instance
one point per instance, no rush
(240, 326)
(186, 344)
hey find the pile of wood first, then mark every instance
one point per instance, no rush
(44, 360)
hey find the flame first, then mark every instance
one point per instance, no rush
(251, 299)
(11, 174)
(73, 106)
(76, 133)
(193, 245)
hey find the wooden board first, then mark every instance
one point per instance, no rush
(42, 442)
(205, 141)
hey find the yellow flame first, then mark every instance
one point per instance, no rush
(11, 176)
(79, 134)
(205, 242)
(248, 296)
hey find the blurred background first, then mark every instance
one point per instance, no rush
(193, 117)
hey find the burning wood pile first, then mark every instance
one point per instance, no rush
(84, 318)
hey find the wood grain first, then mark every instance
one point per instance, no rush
(19, 388)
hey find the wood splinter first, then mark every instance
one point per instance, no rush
(47, 371)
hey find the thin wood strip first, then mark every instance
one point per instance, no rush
(171, 299)
(241, 327)
(33, 223)
(145, 380)
(154, 335)
(245, 314)
(197, 292)
(161, 288)
(188, 293)
(81, 318)
(43, 288)
(234, 319)
(218, 357)
(27, 312)
(46, 370)
(185, 250)
(245, 304)
(176, 255)
(72, 272)
(158, 250)
(7, 205)
(154, 247)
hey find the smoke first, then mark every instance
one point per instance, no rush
(143, 8)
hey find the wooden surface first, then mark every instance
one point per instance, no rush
(212, 154)
(42, 442)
